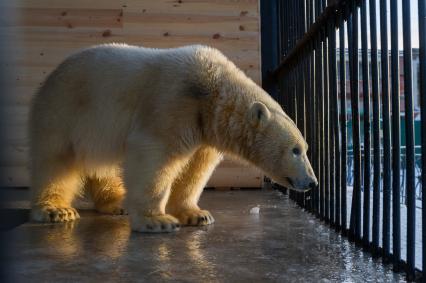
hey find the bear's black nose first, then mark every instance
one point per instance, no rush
(312, 185)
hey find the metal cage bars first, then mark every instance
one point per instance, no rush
(312, 80)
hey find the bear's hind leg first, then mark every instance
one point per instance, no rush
(54, 188)
(107, 193)
(187, 188)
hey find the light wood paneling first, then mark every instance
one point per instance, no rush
(41, 33)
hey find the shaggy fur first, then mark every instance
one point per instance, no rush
(156, 122)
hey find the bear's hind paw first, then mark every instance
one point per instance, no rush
(155, 224)
(53, 214)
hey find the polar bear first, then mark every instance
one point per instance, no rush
(152, 124)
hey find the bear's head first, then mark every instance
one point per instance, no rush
(244, 120)
(278, 147)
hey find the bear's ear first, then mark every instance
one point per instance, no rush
(259, 114)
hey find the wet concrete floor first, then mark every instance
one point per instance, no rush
(281, 244)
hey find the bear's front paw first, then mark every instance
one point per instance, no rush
(53, 214)
(195, 217)
(154, 224)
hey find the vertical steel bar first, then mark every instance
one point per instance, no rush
(386, 128)
(302, 89)
(311, 128)
(321, 131)
(308, 113)
(303, 69)
(337, 164)
(321, 126)
(376, 126)
(355, 123)
(350, 70)
(337, 159)
(342, 62)
(422, 79)
(326, 108)
(367, 145)
(317, 128)
(317, 124)
(396, 153)
(409, 138)
(332, 88)
(290, 75)
(315, 102)
(318, 74)
(354, 81)
(300, 112)
(317, 8)
(313, 148)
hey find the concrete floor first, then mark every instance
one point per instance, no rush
(281, 244)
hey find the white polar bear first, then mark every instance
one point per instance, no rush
(152, 124)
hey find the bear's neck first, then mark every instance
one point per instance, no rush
(226, 126)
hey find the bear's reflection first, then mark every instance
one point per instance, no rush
(105, 235)
(152, 255)
(197, 254)
(180, 254)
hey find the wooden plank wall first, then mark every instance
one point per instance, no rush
(39, 34)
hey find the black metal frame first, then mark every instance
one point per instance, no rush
(310, 83)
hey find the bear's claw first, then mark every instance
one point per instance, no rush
(53, 214)
(193, 217)
(155, 224)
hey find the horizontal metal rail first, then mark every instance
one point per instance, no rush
(333, 9)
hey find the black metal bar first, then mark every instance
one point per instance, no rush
(367, 145)
(290, 46)
(332, 94)
(301, 111)
(337, 159)
(386, 128)
(355, 123)
(396, 152)
(321, 128)
(422, 79)
(311, 109)
(326, 133)
(343, 188)
(317, 9)
(376, 127)
(317, 127)
(350, 70)
(308, 125)
(270, 44)
(314, 127)
(409, 141)
(354, 79)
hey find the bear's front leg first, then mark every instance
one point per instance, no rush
(148, 174)
(187, 188)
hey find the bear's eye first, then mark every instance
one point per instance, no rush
(296, 151)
